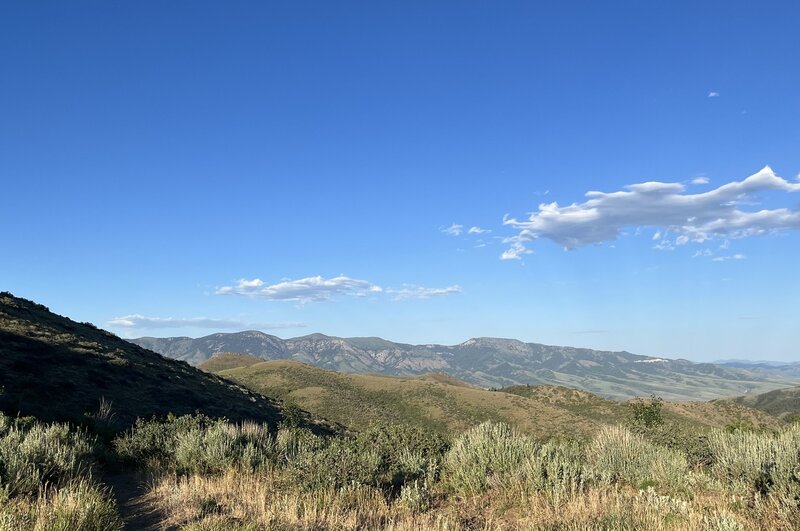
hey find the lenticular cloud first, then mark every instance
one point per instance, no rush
(718, 213)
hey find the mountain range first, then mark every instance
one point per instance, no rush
(490, 363)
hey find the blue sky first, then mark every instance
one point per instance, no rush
(184, 168)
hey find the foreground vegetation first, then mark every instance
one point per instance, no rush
(212, 474)
(46, 479)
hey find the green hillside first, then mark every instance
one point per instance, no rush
(783, 403)
(447, 405)
(228, 360)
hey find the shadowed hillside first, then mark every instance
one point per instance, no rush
(57, 369)
(448, 405)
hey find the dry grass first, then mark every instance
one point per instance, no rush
(78, 506)
(244, 501)
(495, 478)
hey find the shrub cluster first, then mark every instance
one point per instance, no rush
(617, 454)
(383, 456)
(196, 444)
(495, 456)
(766, 463)
(46, 482)
(34, 455)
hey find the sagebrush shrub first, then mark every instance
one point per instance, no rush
(765, 462)
(36, 455)
(406, 453)
(153, 442)
(555, 469)
(490, 454)
(342, 462)
(617, 455)
(197, 444)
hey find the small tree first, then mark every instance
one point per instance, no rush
(648, 413)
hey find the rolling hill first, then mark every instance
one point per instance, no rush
(57, 369)
(783, 403)
(490, 363)
(442, 403)
(783, 368)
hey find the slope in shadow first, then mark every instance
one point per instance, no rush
(57, 369)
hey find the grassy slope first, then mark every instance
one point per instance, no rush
(448, 405)
(57, 369)
(780, 403)
(228, 360)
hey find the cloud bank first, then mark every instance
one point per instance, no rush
(665, 207)
(137, 321)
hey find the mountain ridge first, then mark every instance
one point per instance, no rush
(490, 363)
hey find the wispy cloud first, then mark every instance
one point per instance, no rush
(137, 321)
(736, 256)
(703, 253)
(453, 230)
(307, 289)
(700, 180)
(315, 289)
(663, 206)
(478, 230)
(419, 292)
(713, 94)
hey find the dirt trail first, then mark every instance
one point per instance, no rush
(139, 513)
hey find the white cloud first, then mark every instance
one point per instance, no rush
(478, 230)
(663, 206)
(664, 245)
(516, 251)
(314, 289)
(308, 289)
(419, 292)
(704, 252)
(140, 321)
(700, 180)
(713, 94)
(453, 230)
(731, 257)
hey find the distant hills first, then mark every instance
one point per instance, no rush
(57, 369)
(443, 403)
(781, 403)
(490, 363)
(783, 368)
